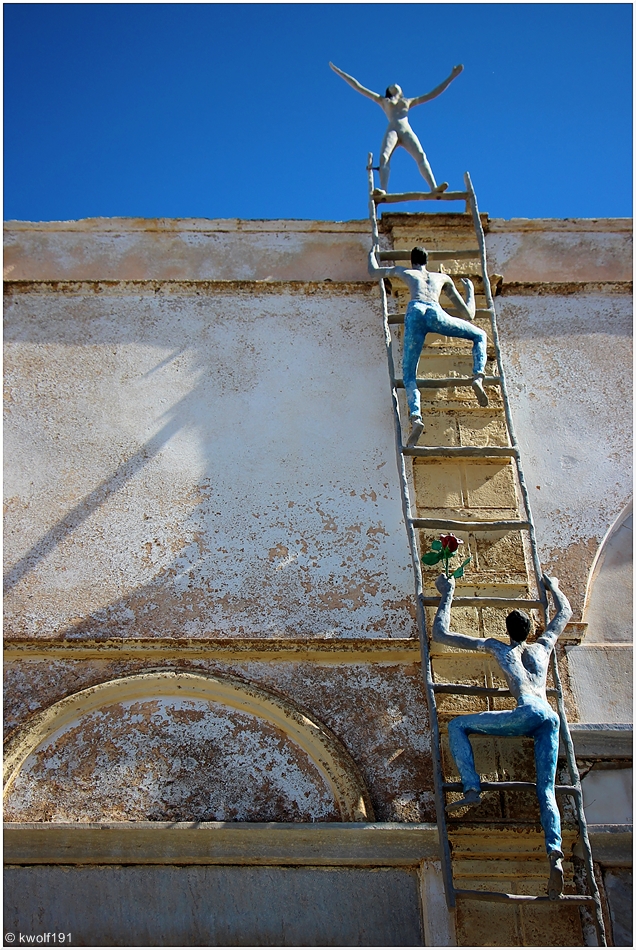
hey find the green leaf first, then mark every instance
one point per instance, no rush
(431, 558)
(459, 572)
(436, 545)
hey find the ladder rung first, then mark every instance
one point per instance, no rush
(486, 288)
(420, 196)
(396, 318)
(511, 786)
(460, 451)
(498, 897)
(486, 602)
(467, 689)
(445, 524)
(443, 382)
(465, 254)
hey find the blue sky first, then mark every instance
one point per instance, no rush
(230, 110)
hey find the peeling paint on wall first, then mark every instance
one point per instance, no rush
(160, 449)
(170, 760)
(569, 365)
(378, 712)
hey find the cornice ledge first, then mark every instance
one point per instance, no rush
(564, 288)
(204, 225)
(612, 845)
(249, 843)
(263, 649)
(561, 224)
(192, 287)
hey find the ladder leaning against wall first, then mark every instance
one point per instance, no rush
(507, 453)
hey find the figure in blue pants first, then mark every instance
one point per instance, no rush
(525, 667)
(425, 315)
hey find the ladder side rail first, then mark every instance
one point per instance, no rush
(575, 778)
(444, 845)
(565, 731)
(481, 240)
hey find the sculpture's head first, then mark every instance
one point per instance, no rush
(393, 92)
(419, 257)
(518, 625)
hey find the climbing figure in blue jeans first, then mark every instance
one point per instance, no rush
(525, 667)
(425, 315)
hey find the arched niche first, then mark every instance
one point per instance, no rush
(601, 665)
(175, 745)
(608, 609)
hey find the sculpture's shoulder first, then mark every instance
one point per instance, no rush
(544, 643)
(497, 648)
(440, 280)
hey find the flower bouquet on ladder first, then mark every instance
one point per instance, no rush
(443, 550)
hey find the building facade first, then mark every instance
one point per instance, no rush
(216, 723)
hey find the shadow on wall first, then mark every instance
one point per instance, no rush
(183, 466)
(250, 488)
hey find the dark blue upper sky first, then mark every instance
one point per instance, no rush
(230, 110)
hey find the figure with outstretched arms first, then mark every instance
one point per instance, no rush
(425, 315)
(396, 107)
(525, 668)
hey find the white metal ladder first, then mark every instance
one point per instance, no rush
(524, 524)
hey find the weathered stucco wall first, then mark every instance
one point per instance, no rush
(545, 250)
(187, 463)
(187, 249)
(201, 477)
(376, 710)
(216, 906)
(568, 360)
(521, 249)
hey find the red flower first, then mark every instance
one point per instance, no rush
(450, 543)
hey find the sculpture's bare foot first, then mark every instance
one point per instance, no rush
(379, 191)
(472, 797)
(478, 389)
(555, 883)
(440, 188)
(417, 427)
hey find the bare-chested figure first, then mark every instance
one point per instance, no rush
(525, 667)
(425, 315)
(396, 107)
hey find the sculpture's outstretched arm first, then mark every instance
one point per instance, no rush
(356, 85)
(441, 625)
(375, 270)
(438, 89)
(467, 307)
(563, 614)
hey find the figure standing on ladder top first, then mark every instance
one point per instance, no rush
(425, 315)
(396, 107)
(525, 667)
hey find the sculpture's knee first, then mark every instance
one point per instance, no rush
(455, 728)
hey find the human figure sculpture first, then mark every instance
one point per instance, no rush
(425, 315)
(396, 107)
(525, 667)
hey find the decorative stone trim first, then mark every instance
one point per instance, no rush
(564, 288)
(319, 743)
(585, 225)
(122, 288)
(268, 649)
(200, 225)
